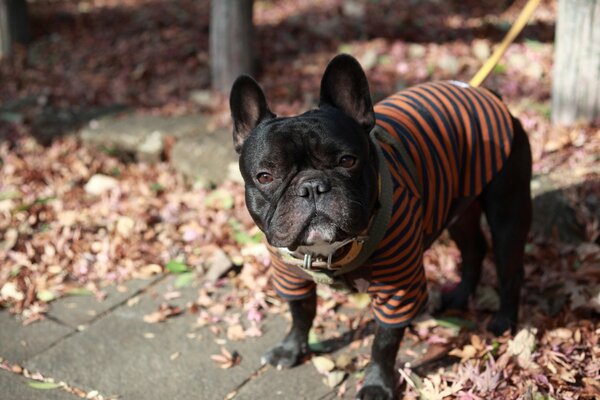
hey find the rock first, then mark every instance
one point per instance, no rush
(218, 265)
(7, 205)
(353, 9)
(151, 149)
(10, 239)
(99, 184)
(481, 49)
(233, 172)
(10, 291)
(196, 150)
(449, 64)
(369, 59)
(534, 70)
(416, 51)
(140, 136)
(205, 157)
(518, 61)
(125, 226)
(202, 97)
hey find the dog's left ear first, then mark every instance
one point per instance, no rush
(345, 86)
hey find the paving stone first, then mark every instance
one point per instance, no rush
(120, 354)
(18, 342)
(14, 387)
(300, 382)
(80, 310)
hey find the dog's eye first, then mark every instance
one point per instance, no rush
(347, 161)
(264, 178)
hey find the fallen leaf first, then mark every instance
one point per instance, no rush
(334, 378)
(177, 267)
(343, 361)
(236, 332)
(46, 296)
(184, 279)
(43, 385)
(323, 364)
(359, 300)
(99, 184)
(164, 311)
(522, 346)
(466, 353)
(226, 359)
(218, 264)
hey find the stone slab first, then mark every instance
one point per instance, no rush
(298, 383)
(18, 342)
(121, 355)
(142, 136)
(207, 157)
(79, 310)
(14, 387)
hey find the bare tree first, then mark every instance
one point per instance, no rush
(14, 24)
(576, 75)
(231, 41)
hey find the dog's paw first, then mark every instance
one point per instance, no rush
(455, 299)
(500, 323)
(284, 355)
(375, 392)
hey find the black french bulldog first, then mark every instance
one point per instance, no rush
(315, 185)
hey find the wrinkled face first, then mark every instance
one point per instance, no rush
(310, 179)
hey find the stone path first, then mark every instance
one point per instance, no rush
(107, 347)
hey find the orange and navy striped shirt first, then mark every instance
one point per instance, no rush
(458, 138)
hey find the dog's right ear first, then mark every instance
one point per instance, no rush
(248, 108)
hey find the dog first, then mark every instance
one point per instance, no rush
(350, 194)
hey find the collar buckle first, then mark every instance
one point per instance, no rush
(307, 264)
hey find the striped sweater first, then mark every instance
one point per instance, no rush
(458, 138)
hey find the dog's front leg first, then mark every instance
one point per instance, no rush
(380, 378)
(295, 345)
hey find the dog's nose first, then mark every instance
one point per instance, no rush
(313, 188)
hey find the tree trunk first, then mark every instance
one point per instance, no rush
(231, 41)
(14, 25)
(576, 75)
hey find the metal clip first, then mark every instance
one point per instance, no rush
(329, 260)
(307, 261)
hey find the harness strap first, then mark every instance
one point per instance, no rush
(384, 136)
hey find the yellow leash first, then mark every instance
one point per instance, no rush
(512, 34)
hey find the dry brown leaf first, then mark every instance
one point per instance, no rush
(226, 359)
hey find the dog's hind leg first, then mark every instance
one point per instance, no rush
(469, 238)
(506, 202)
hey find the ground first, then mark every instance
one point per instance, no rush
(129, 267)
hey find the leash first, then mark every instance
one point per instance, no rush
(510, 37)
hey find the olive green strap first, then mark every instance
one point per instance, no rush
(384, 213)
(384, 136)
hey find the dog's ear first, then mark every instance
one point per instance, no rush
(248, 108)
(345, 86)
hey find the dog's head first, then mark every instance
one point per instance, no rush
(311, 179)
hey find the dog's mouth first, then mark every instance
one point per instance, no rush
(318, 231)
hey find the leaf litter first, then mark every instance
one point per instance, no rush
(73, 219)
